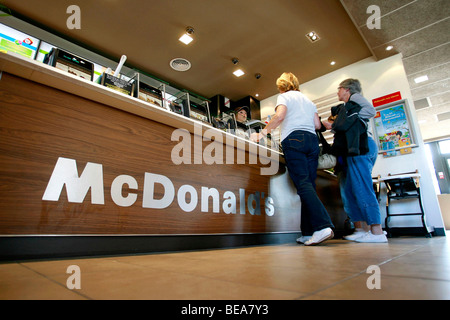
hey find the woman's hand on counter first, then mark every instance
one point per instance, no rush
(256, 136)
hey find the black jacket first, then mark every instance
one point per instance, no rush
(350, 138)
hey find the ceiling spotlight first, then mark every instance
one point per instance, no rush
(389, 48)
(187, 38)
(333, 63)
(258, 76)
(312, 36)
(238, 73)
(421, 79)
(235, 61)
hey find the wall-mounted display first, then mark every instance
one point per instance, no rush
(12, 40)
(393, 130)
(70, 63)
(151, 90)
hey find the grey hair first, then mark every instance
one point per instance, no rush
(352, 84)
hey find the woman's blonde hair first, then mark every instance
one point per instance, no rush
(287, 82)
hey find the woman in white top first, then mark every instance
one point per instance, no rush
(298, 118)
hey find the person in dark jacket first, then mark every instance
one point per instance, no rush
(350, 137)
(355, 178)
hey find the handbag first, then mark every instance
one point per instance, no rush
(326, 159)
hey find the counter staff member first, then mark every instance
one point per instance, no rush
(239, 127)
(299, 120)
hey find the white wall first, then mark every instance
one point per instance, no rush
(379, 78)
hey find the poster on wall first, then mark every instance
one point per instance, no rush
(393, 130)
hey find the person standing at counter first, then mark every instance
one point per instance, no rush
(298, 118)
(355, 176)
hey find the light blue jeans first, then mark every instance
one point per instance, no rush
(355, 181)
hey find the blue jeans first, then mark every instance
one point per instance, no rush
(358, 196)
(301, 151)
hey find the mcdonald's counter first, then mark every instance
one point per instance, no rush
(87, 170)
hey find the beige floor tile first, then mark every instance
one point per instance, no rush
(20, 283)
(58, 268)
(392, 288)
(148, 284)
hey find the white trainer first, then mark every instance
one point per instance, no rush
(372, 238)
(303, 239)
(355, 235)
(320, 236)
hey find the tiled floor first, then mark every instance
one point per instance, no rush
(410, 268)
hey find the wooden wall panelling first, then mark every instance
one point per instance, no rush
(39, 124)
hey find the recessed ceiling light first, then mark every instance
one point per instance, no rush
(187, 38)
(312, 36)
(421, 79)
(238, 73)
(333, 63)
(389, 48)
(257, 95)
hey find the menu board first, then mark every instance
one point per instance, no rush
(12, 40)
(70, 63)
(150, 94)
(199, 112)
(393, 129)
(117, 84)
(73, 70)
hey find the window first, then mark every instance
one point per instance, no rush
(444, 146)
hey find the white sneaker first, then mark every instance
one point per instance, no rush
(372, 238)
(320, 236)
(303, 239)
(355, 235)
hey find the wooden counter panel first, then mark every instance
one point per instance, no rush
(39, 124)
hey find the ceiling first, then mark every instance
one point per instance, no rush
(420, 31)
(268, 37)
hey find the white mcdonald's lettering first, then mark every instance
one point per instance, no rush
(65, 174)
